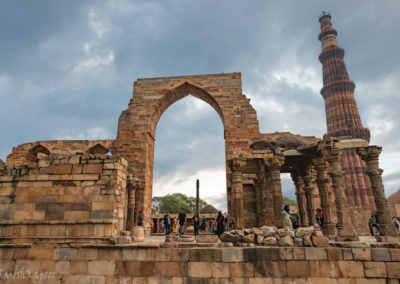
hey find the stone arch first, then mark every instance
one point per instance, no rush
(97, 149)
(151, 97)
(32, 153)
(177, 94)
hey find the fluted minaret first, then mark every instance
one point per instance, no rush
(342, 117)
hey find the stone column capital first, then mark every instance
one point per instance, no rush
(369, 153)
(237, 164)
(275, 162)
(320, 164)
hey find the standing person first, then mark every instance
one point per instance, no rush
(286, 219)
(319, 217)
(167, 223)
(196, 222)
(371, 224)
(233, 223)
(152, 226)
(182, 220)
(220, 224)
(174, 225)
(203, 224)
(226, 223)
(396, 224)
(140, 218)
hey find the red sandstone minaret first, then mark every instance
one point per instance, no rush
(342, 117)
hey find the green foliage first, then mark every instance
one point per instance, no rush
(172, 203)
(288, 201)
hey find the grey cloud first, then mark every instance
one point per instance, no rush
(43, 44)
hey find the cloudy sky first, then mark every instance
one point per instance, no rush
(67, 70)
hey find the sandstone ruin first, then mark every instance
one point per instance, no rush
(66, 206)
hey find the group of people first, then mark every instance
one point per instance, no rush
(373, 224)
(292, 221)
(216, 225)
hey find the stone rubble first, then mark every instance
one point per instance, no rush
(272, 236)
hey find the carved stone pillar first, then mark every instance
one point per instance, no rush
(345, 229)
(132, 187)
(301, 198)
(328, 227)
(370, 155)
(237, 192)
(266, 196)
(309, 189)
(274, 165)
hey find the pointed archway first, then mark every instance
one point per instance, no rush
(151, 97)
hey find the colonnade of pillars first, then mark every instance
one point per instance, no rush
(325, 166)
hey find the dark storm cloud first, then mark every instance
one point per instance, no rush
(67, 68)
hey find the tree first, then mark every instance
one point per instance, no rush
(287, 200)
(172, 203)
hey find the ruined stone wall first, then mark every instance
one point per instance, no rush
(68, 196)
(132, 263)
(27, 153)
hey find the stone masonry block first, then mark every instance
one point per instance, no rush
(65, 254)
(329, 269)
(347, 254)
(361, 253)
(170, 269)
(101, 267)
(179, 254)
(60, 169)
(39, 253)
(162, 254)
(220, 270)
(375, 269)
(83, 279)
(205, 254)
(62, 267)
(78, 267)
(335, 254)
(393, 269)
(297, 269)
(351, 269)
(270, 269)
(199, 270)
(128, 268)
(395, 254)
(380, 254)
(232, 254)
(239, 270)
(101, 214)
(92, 169)
(316, 254)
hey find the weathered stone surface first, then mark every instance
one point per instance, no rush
(375, 269)
(260, 238)
(232, 254)
(300, 232)
(268, 231)
(361, 253)
(206, 238)
(380, 254)
(239, 270)
(228, 237)
(393, 269)
(307, 241)
(249, 238)
(258, 231)
(320, 241)
(270, 241)
(298, 242)
(317, 233)
(286, 241)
